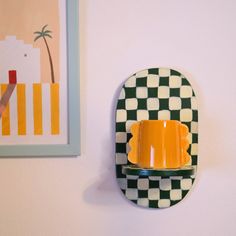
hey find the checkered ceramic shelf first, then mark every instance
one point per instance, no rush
(155, 94)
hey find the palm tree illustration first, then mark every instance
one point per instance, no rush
(43, 34)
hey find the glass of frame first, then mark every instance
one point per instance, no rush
(39, 78)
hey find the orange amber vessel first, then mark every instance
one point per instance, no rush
(159, 144)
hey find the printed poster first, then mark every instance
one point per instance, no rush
(33, 72)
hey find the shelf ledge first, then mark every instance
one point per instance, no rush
(135, 170)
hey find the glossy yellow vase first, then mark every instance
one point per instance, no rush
(159, 144)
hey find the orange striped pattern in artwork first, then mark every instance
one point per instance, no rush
(21, 102)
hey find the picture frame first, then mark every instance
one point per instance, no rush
(72, 146)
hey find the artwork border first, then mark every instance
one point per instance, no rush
(72, 148)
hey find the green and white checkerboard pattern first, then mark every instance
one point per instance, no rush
(157, 93)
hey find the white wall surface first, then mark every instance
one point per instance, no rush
(79, 196)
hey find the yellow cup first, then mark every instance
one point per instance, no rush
(159, 144)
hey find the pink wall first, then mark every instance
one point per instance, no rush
(79, 196)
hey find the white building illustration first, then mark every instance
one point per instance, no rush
(16, 55)
(32, 108)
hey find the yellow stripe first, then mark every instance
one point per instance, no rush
(37, 104)
(5, 115)
(21, 109)
(55, 116)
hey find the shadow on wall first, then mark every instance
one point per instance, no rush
(105, 191)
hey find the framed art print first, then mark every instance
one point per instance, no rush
(39, 78)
